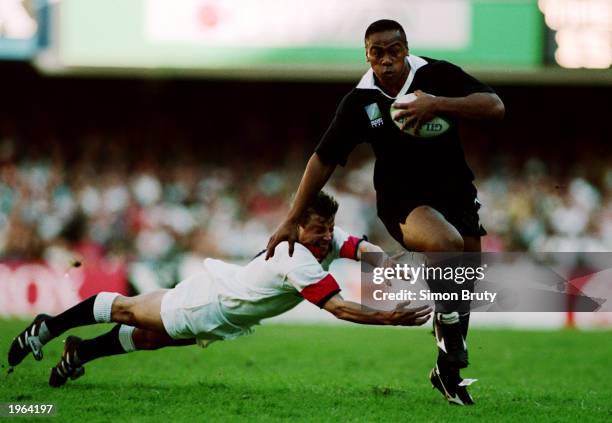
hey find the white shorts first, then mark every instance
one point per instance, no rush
(191, 310)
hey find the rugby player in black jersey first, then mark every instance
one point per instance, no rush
(425, 195)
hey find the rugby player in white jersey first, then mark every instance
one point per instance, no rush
(223, 301)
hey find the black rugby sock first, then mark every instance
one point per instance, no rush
(104, 345)
(451, 373)
(464, 321)
(79, 315)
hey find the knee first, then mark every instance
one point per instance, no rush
(426, 230)
(122, 311)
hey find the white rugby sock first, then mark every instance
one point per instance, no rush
(125, 338)
(448, 318)
(103, 305)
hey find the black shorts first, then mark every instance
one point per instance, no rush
(460, 212)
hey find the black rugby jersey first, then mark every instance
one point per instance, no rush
(405, 165)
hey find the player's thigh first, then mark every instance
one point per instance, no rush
(142, 311)
(426, 229)
(145, 339)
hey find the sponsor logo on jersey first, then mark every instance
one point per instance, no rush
(433, 127)
(374, 114)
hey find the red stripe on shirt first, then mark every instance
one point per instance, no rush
(349, 248)
(321, 290)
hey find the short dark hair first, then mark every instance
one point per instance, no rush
(323, 205)
(385, 25)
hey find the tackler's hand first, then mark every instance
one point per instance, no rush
(403, 315)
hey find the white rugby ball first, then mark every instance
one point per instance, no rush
(433, 128)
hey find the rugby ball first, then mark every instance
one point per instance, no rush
(433, 128)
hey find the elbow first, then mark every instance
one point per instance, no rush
(498, 110)
(325, 166)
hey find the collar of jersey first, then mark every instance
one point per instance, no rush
(315, 251)
(367, 80)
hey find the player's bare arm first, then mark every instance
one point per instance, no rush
(477, 106)
(367, 247)
(315, 177)
(381, 259)
(402, 315)
(376, 260)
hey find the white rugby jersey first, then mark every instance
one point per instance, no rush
(267, 288)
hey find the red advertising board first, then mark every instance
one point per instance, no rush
(27, 289)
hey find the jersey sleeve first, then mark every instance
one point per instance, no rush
(306, 275)
(345, 245)
(459, 83)
(342, 135)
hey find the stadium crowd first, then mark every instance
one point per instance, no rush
(102, 203)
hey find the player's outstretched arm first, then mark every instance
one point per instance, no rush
(315, 177)
(382, 259)
(477, 106)
(375, 260)
(402, 315)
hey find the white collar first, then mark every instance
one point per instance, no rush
(367, 80)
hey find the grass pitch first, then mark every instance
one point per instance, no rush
(327, 373)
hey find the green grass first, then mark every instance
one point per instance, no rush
(328, 373)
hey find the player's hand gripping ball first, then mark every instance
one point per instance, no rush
(433, 128)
